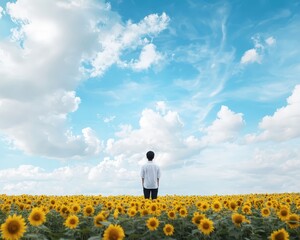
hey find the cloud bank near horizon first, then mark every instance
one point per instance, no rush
(214, 157)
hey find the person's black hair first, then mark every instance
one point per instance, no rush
(150, 155)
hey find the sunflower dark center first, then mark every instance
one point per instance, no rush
(205, 225)
(293, 220)
(89, 210)
(64, 209)
(238, 220)
(113, 235)
(13, 227)
(197, 220)
(72, 221)
(153, 223)
(284, 213)
(279, 236)
(37, 217)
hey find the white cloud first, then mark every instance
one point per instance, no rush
(129, 36)
(109, 119)
(41, 68)
(270, 41)
(148, 57)
(227, 166)
(158, 132)
(125, 131)
(76, 179)
(161, 106)
(163, 132)
(37, 84)
(93, 144)
(1, 12)
(225, 128)
(256, 54)
(38, 127)
(23, 171)
(227, 169)
(251, 56)
(283, 124)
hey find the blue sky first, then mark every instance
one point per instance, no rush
(88, 87)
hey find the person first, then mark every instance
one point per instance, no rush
(150, 174)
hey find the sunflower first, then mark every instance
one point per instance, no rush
(177, 207)
(114, 232)
(13, 228)
(120, 208)
(37, 217)
(265, 212)
(233, 205)
(98, 219)
(132, 204)
(196, 213)
(283, 213)
(71, 221)
(45, 209)
(238, 219)
(144, 212)
(216, 206)
(293, 221)
(246, 209)
(6, 208)
(204, 206)
(171, 214)
(280, 235)
(197, 218)
(198, 204)
(206, 226)
(183, 212)
(152, 223)
(269, 204)
(52, 201)
(168, 229)
(21, 206)
(64, 211)
(298, 205)
(163, 206)
(153, 208)
(57, 208)
(131, 212)
(288, 200)
(109, 205)
(88, 210)
(75, 208)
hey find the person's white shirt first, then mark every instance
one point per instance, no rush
(150, 172)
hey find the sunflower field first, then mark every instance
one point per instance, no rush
(244, 217)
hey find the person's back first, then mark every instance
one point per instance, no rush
(150, 174)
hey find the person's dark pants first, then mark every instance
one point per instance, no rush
(150, 192)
